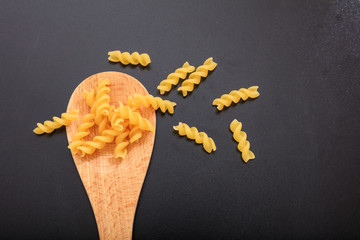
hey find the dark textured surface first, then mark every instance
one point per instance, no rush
(303, 129)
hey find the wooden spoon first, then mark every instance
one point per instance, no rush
(113, 185)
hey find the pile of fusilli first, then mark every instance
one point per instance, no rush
(122, 124)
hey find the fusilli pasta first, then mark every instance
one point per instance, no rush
(154, 102)
(240, 137)
(235, 96)
(125, 58)
(195, 77)
(50, 126)
(98, 142)
(173, 78)
(83, 130)
(121, 142)
(135, 118)
(199, 137)
(135, 133)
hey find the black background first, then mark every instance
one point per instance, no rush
(303, 129)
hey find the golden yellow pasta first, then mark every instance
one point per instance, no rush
(173, 78)
(135, 133)
(195, 77)
(89, 97)
(240, 137)
(83, 130)
(100, 106)
(235, 96)
(50, 126)
(154, 102)
(121, 142)
(125, 58)
(199, 137)
(135, 118)
(116, 121)
(98, 142)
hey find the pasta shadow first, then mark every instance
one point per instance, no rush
(148, 67)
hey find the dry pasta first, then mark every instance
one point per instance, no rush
(199, 137)
(241, 138)
(83, 130)
(195, 77)
(235, 96)
(98, 142)
(154, 102)
(173, 78)
(50, 126)
(135, 134)
(135, 118)
(121, 142)
(126, 58)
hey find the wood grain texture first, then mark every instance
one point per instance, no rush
(113, 185)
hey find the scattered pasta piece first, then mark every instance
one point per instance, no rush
(240, 137)
(235, 96)
(173, 78)
(125, 58)
(50, 126)
(199, 137)
(195, 77)
(154, 102)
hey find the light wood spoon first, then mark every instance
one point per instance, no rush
(113, 185)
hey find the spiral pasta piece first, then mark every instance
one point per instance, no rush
(116, 121)
(240, 137)
(98, 142)
(50, 126)
(173, 78)
(100, 104)
(135, 118)
(135, 133)
(154, 102)
(235, 96)
(89, 97)
(121, 142)
(125, 58)
(195, 77)
(199, 137)
(83, 130)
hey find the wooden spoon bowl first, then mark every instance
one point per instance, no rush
(113, 185)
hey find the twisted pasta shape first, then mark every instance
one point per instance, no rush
(199, 137)
(235, 96)
(89, 97)
(135, 118)
(195, 77)
(100, 106)
(83, 130)
(121, 142)
(116, 121)
(240, 137)
(125, 58)
(98, 142)
(50, 126)
(154, 102)
(135, 133)
(173, 78)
